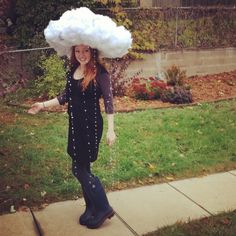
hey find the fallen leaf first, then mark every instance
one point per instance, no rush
(151, 166)
(170, 178)
(12, 209)
(226, 222)
(199, 131)
(151, 180)
(43, 193)
(8, 187)
(42, 206)
(23, 208)
(26, 186)
(140, 182)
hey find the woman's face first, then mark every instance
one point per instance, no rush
(82, 54)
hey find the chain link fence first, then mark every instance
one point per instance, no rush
(17, 67)
(186, 27)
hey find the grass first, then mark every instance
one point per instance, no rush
(223, 224)
(152, 146)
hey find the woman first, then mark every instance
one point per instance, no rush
(87, 81)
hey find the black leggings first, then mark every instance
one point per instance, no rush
(82, 171)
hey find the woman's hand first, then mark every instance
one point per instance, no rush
(111, 137)
(35, 108)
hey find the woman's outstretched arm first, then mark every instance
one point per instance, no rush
(59, 100)
(38, 106)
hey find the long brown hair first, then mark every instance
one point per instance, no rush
(90, 68)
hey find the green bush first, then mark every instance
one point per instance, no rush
(188, 36)
(53, 80)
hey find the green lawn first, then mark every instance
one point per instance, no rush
(223, 224)
(152, 146)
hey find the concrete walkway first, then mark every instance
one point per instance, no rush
(139, 210)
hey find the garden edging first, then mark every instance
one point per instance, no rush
(169, 105)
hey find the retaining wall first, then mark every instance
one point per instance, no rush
(195, 62)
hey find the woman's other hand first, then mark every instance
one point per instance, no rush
(111, 137)
(35, 108)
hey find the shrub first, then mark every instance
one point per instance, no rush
(175, 76)
(116, 68)
(52, 81)
(146, 89)
(177, 95)
(173, 91)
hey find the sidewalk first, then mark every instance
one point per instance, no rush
(139, 210)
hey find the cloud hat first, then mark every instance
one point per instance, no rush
(82, 26)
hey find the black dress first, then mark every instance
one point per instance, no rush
(85, 119)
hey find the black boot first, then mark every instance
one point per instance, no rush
(89, 210)
(97, 195)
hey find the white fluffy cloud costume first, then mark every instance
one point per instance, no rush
(82, 26)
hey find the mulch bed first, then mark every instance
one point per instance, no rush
(208, 88)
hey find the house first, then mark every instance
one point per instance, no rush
(185, 3)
